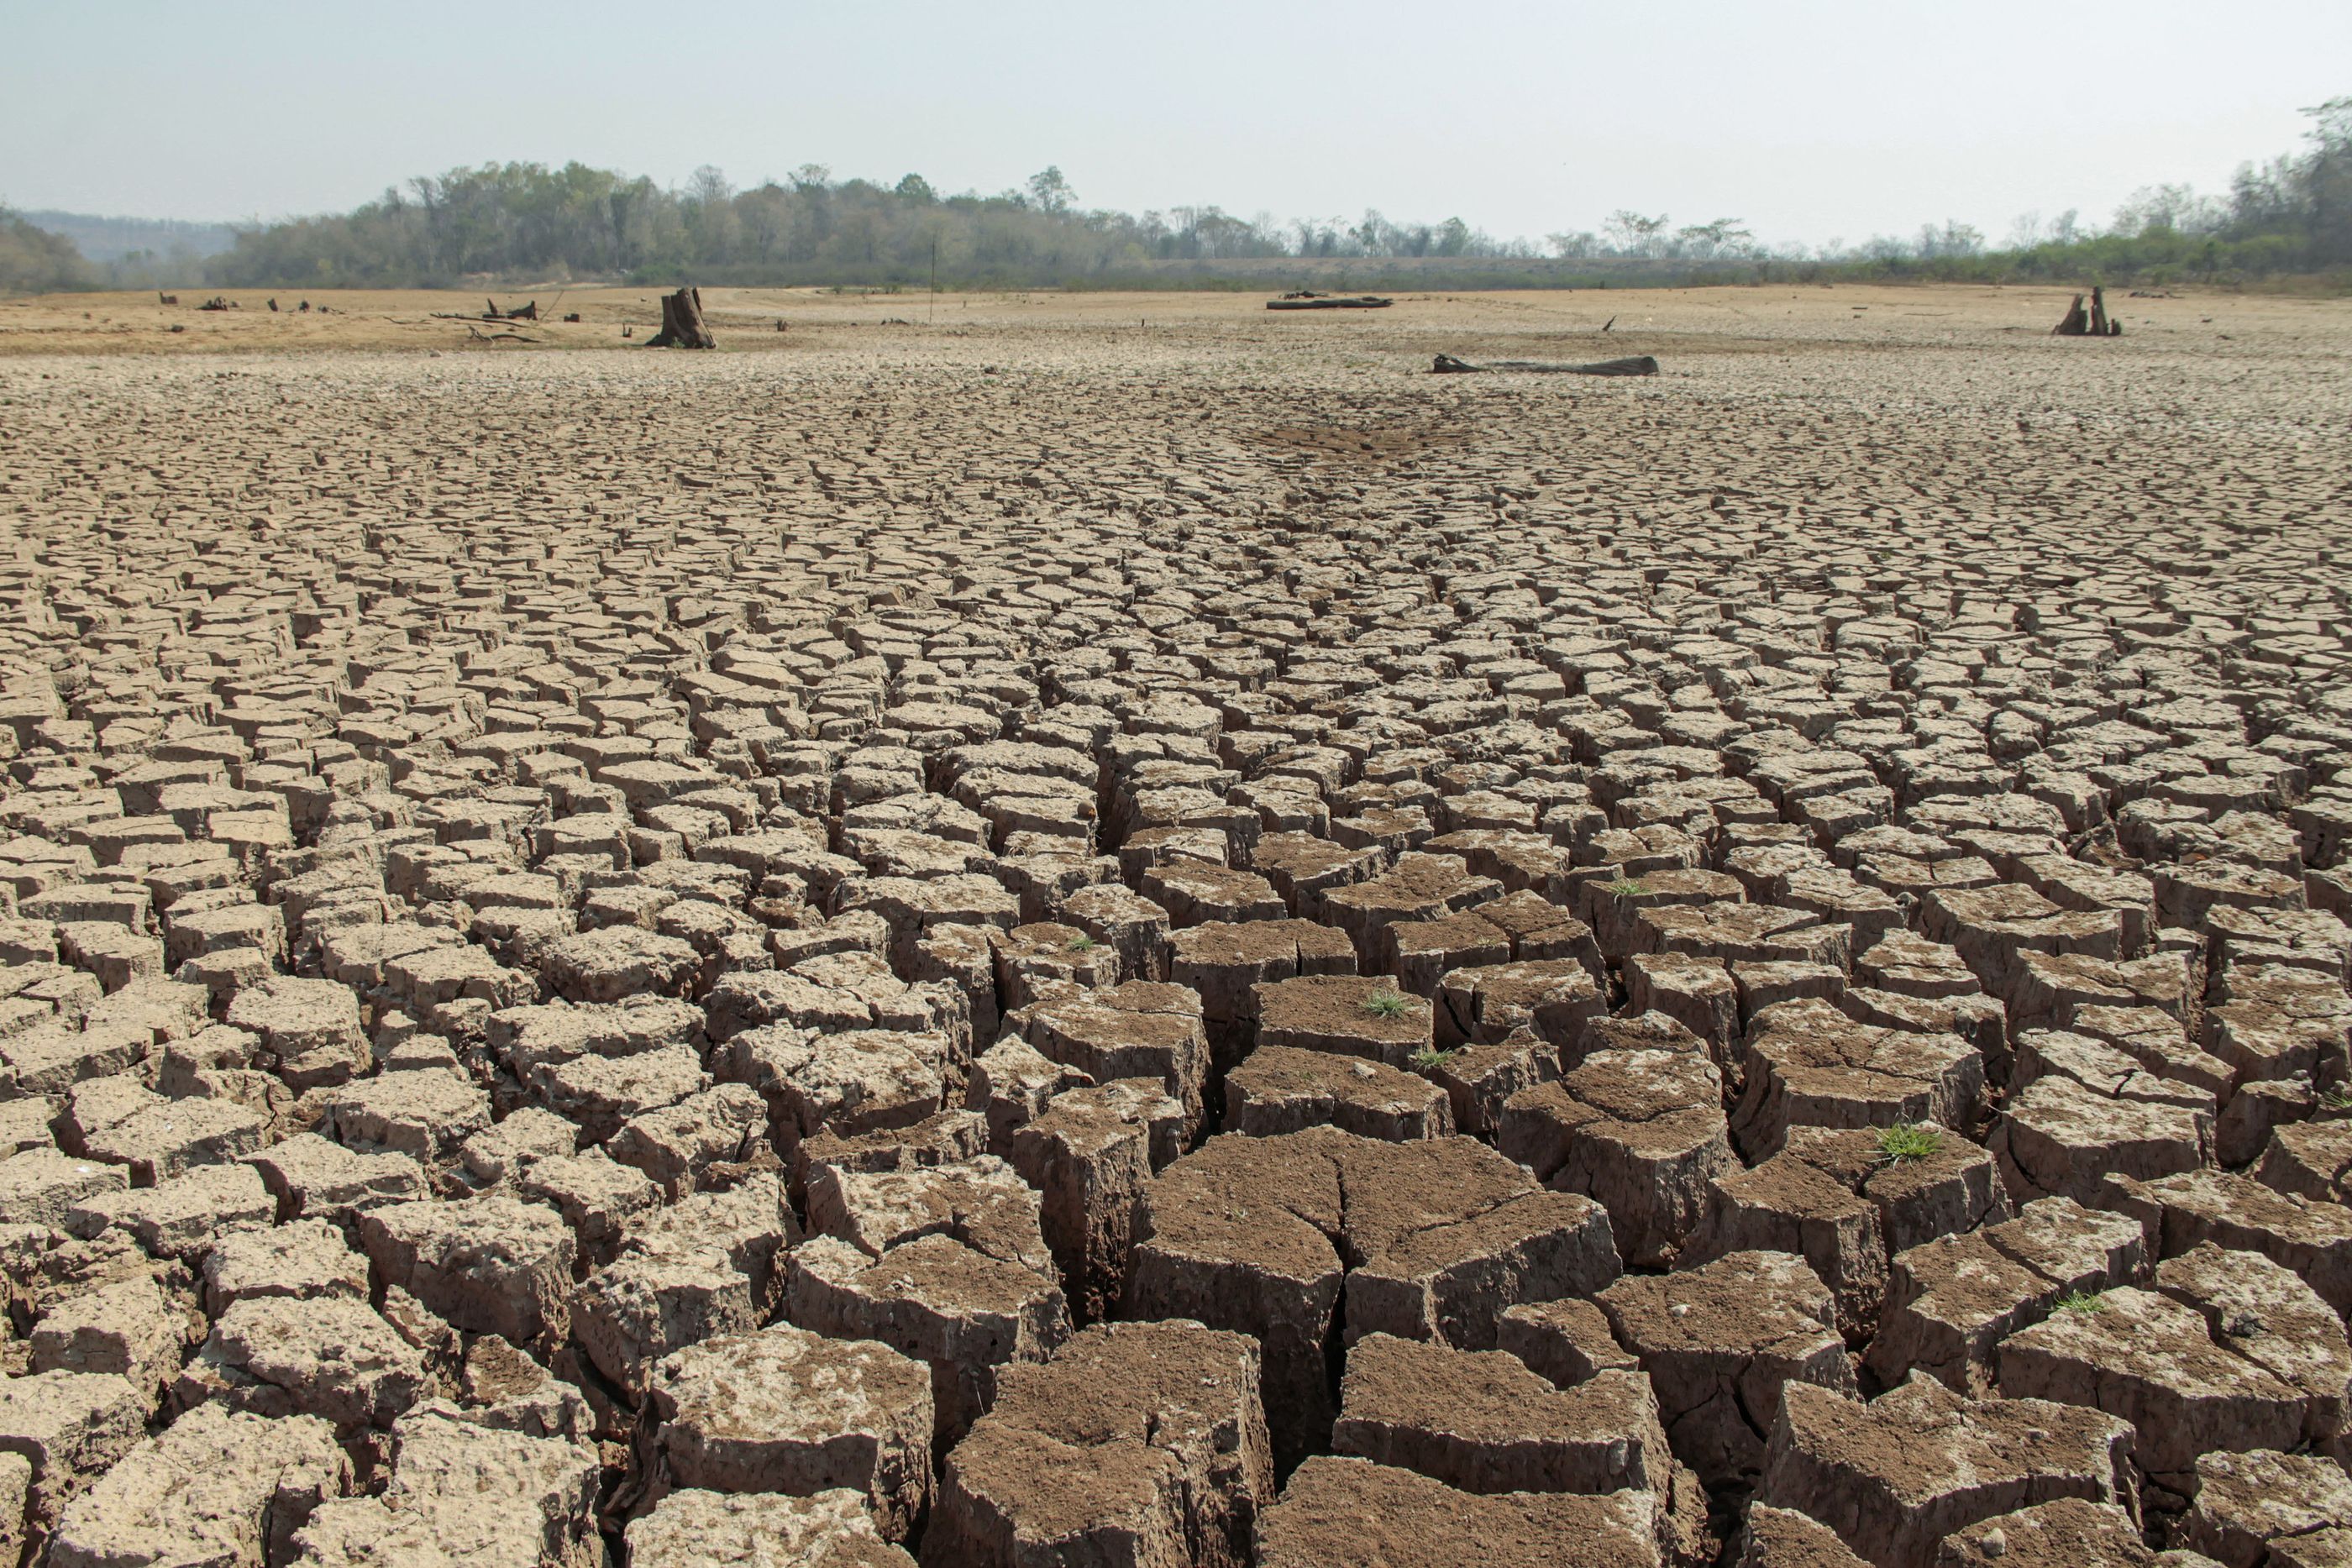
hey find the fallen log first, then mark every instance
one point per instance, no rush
(682, 326)
(1638, 365)
(1309, 300)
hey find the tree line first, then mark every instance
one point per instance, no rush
(526, 222)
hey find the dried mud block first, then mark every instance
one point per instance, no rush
(1640, 1131)
(329, 1356)
(2260, 1312)
(1128, 924)
(1566, 1342)
(1433, 1239)
(1480, 1080)
(1089, 1153)
(1337, 1511)
(2152, 1361)
(1347, 1015)
(713, 1264)
(1280, 1090)
(959, 1311)
(1417, 887)
(1845, 1201)
(1303, 868)
(1918, 1464)
(1420, 952)
(1950, 1300)
(1781, 1538)
(597, 1195)
(1010, 1085)
(2067, 1533)
(181, 1217)
(1483, 1004)
(42, 1186)
(714, 1530)
(1480, 1421)
(488, 1265)
(434, 1507)
(309, 1029)
(71, 1427)
(2250, 1505)
(118, 1120)
(425, 1115)
(1144, 1442)
(683, 1146)
(314, 1179)
(1698, 993)
(302, 1259)
(1720, 1342)
(786, 1411)
(1136, 1029)
(216, 1486)
(1810, 1066)
(981, 1202)
(1224, 962)
(2308, 1159)
(1028, 959)
(2312, 1240)
(127, 1327)
(2058, 1138)
(501, 1388)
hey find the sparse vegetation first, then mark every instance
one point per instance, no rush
(1429, 1058)
(35, 261)
(1081, 943)
(1387, 1004)
(1906, 1142)
(2081, 1301)
(2292, 215)
(1626, 887)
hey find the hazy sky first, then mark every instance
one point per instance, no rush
(1812, 119)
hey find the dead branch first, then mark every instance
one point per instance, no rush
(1639, 365)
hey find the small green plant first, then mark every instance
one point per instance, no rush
(2079, 1301)
(1429, 1058)
(2338, 1098)
(1081, 943)
(1387, 1005)
(1626, 887)
(1904, 1143)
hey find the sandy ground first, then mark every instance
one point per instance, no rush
(1531, 324)
(1127, 920)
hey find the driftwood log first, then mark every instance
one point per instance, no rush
(682, 326)
(2094, 322)
(1307, 299)
(1639, 365)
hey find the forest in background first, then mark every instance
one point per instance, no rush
(2290, 217)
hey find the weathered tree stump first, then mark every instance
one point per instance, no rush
(2094, 322)
(682, 326)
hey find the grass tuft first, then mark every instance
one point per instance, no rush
(2081, 1301)
(1429, 1058)
(1626, 887)
(1387, 1005)
(1081, 943)
(1904, 1143)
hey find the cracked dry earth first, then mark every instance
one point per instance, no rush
(1070, 949)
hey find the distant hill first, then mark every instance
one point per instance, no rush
(106, 240)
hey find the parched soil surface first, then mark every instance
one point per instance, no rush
(1112, 930)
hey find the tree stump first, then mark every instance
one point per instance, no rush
(682, 326)
(2094, 322)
